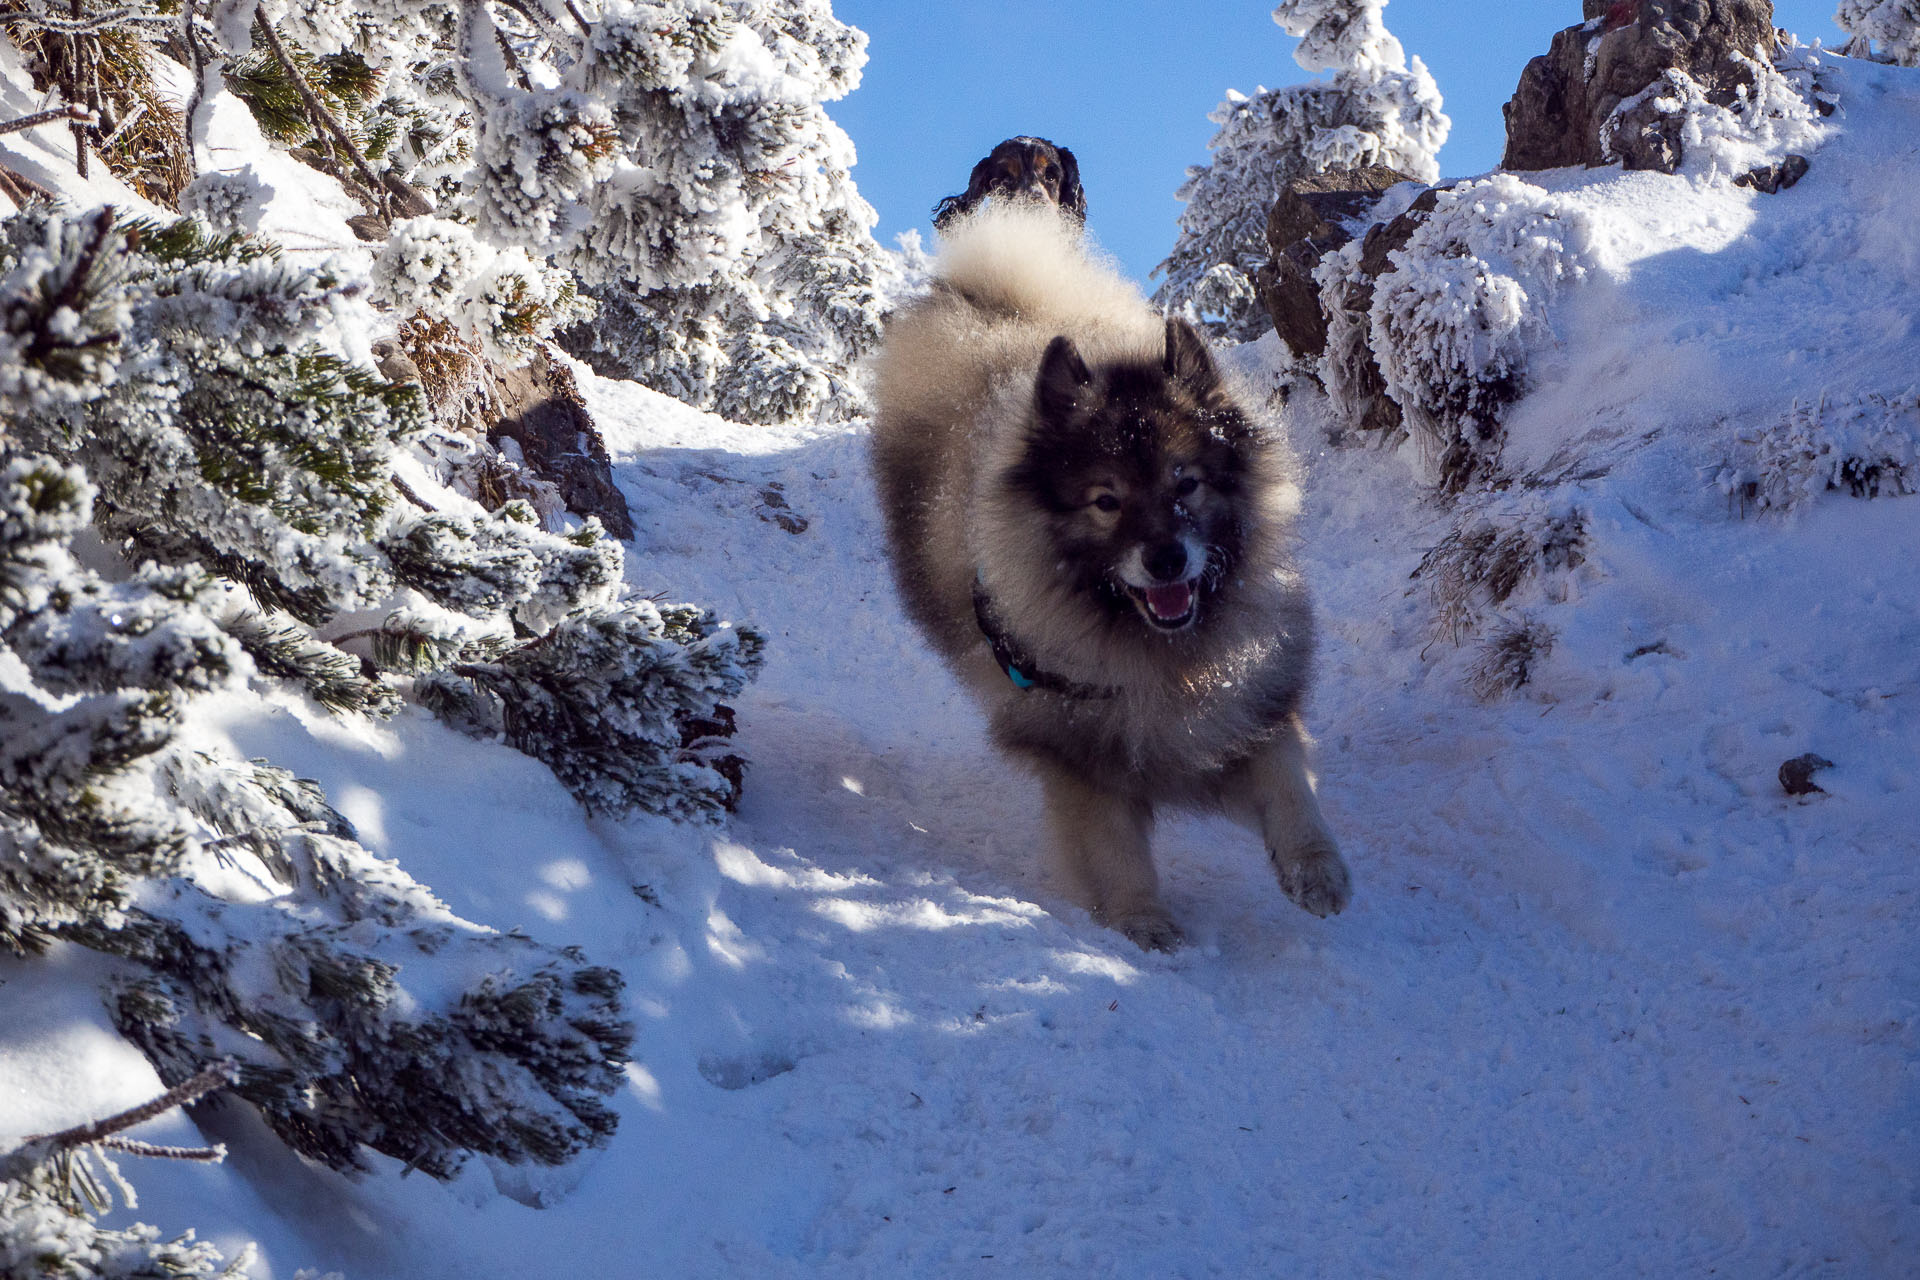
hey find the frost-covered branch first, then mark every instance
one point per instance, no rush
(324, 122)
(36, 1150)
(1886, 29)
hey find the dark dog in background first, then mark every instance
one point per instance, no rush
(1020, 169)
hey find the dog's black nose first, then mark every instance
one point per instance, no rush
(1167, 561)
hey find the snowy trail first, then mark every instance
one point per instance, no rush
(1606, 1003)
(883, 1043)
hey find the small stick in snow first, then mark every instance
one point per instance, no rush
(38, 1149)
(48, 116)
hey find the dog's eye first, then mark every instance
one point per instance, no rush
(1186, 487)
(1106, 502)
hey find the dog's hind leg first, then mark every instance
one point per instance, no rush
(1272, 793)
(1103, 842)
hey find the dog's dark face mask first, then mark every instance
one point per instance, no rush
(1036, 173)
(1141, 469)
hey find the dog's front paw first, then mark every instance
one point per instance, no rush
(1151, 929)
(1316, 878)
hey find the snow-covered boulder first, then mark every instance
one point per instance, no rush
(1315, 214)
(1605, 90)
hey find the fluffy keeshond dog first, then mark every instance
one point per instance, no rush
(1092, 529)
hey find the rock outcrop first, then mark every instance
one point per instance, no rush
(1584, 102)
(543, 414)
(1314, 216)
(1348, 368)
(532, 436)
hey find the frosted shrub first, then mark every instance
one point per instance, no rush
(229, 202)
(1496, 547)
(1865, 445)
(426, 264)
(538, 155)
(619, 743)
(732, 257)
(502, 299)
(1453, 319)
(36, 1229)
(1377, 109)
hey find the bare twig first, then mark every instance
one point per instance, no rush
(134, 1147)
(75, 88)
(120, 130)
(21, 189)
(406, 491)
(68, 112)
(43, 1147)
(187, 1092)
(189, 32)
(80, 26)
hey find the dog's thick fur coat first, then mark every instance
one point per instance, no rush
(1051, 454)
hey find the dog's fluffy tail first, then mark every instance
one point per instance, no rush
(1026, 261)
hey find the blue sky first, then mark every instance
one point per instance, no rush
(1127, 84)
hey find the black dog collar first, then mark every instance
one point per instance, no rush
(1022, 670)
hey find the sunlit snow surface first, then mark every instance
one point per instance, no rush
(1607, 1002)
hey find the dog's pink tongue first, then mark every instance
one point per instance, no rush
(1170, 602)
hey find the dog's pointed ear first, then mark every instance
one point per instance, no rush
(1063, 374)
(1187, 359)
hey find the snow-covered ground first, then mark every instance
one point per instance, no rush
(1607, 1002)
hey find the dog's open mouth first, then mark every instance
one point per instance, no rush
(1168, 607)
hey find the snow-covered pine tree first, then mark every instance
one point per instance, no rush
(225, 430)
(1377, 109)
(1891, 25)
(732, 257)
(359, 1011)
(247, 514)
(673, 155)
(239, 454)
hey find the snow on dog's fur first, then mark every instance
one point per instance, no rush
(1090, 526)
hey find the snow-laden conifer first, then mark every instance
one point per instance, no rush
(674, 156)
(201, 381)
(732, 256)
(243, 495)
(360, 1012)
(1888, 29)
(618, 741)
(1377, 109)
